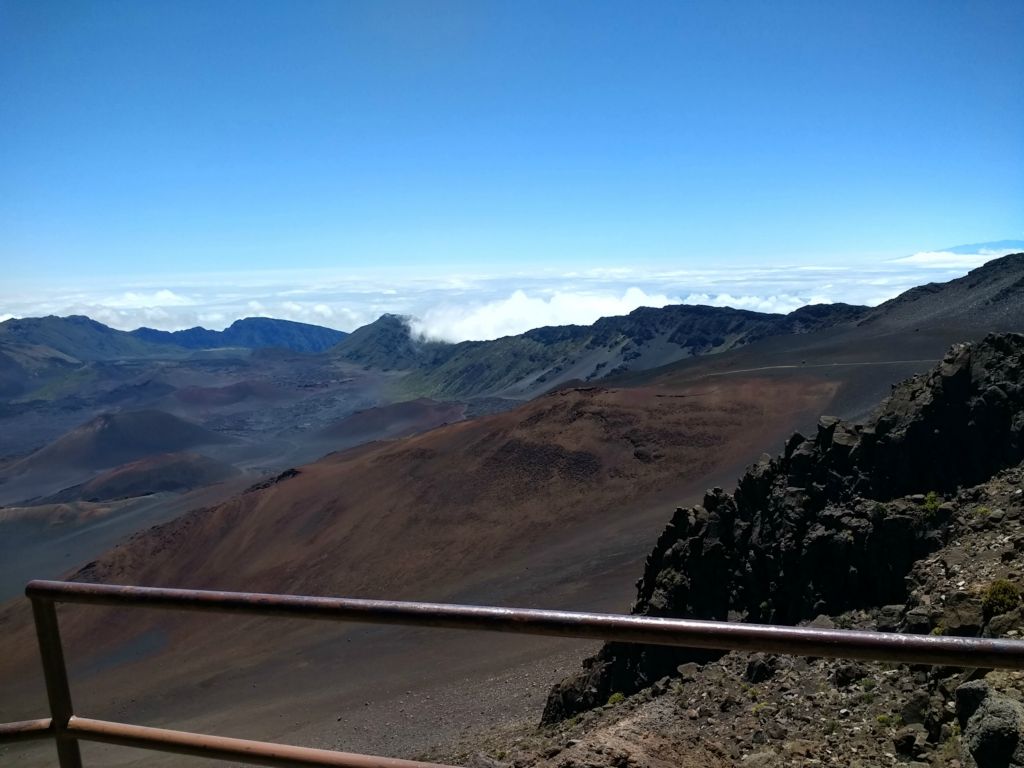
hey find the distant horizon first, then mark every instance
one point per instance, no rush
(459, 308)
(488, 167)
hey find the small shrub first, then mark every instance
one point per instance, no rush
(867, 684)
(1002, 596)
(982, 512)
(931, 503)
(885, 721)
(950, 749)
(938, 630)
(616, 698)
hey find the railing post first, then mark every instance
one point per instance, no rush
(57, 688)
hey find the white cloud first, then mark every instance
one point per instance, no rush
(952, 260)
(521, 312)
(460, 305)
(781, 303)
(160, 298)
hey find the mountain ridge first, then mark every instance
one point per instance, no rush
(988, 298)
(530, 363)
(249, 333)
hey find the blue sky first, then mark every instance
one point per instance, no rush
(141, 142)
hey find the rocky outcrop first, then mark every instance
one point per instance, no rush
(834, 523)
(991, 725)
(780, 711)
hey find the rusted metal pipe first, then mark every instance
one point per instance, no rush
(727, 636)
(55, 673)
(224, 748)
(26, 730)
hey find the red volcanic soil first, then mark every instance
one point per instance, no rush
(393, 420)
(115, 438)
(228, 395)
(439, 504)
(554, 504)
(174, 472)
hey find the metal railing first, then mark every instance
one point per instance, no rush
(67, 729)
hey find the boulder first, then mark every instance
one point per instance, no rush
(992, 727)
(962, 615)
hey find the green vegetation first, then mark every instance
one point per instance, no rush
(982, 512)
(886, 721)
(1002, 596)
(867, 683)
(616, 698)
(950, 748)
(931, 503)
(938, 630)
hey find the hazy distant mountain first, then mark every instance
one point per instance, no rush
(76, 336)
(387, 344)
(995, 245)
(36, 351)
(990, 298)
(251, 333)
(534, 361)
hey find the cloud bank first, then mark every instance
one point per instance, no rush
(520, 312)
(461, 305)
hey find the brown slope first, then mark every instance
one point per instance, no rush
(545, 505)
(230, 394)
(116, 438)
(174, 472)
(897, 339)
(447, 498)
(393, 420)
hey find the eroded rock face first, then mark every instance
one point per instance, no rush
(821, 529)
(992, 726)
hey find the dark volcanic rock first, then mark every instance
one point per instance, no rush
(991, 724)
(819, 529)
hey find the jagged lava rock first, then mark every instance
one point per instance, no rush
(816, 529)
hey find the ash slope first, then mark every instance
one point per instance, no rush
(103, 443)
(163, 473)
(778, 711)
(116, 438)
(550, 504)
(807, 532)
(528, 364)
